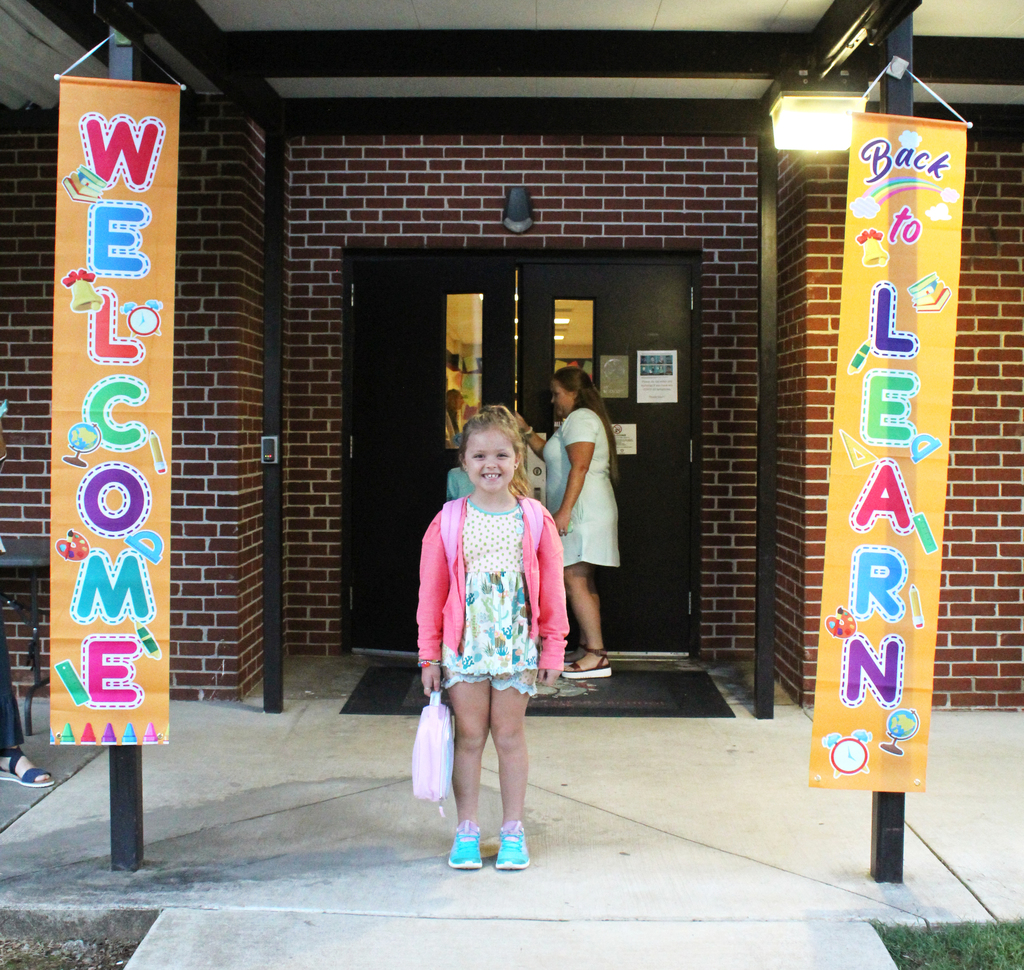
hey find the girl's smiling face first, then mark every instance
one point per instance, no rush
(563, 400)
(490, 461)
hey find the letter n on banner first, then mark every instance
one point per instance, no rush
(113, 374)
(890, 448)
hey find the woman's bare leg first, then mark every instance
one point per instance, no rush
(586, 606)
(508, 731)
(472, 703)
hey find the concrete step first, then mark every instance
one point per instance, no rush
(183, 939)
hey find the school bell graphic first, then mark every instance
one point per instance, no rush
(874, 256)
(84, 298)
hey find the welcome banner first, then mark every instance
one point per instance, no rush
(113, 368)
(890, 448)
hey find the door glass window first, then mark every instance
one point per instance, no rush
(574, 334)
(464, 346)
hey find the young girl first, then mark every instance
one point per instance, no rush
(492, 624)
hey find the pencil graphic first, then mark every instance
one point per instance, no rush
(857, 362)
(148, 643)
(915, 608)
(158, 453)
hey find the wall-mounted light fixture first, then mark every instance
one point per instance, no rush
(814, 122)
(518, 214)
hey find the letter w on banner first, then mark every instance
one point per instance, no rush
(890, 449)
(113, 374)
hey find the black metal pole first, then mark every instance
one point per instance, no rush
(767, 427)
(888, 808)
(273, 302)
(126, 842)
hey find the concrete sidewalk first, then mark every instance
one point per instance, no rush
(696, 839)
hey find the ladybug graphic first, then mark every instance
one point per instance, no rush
(74, 548)
(842, 625)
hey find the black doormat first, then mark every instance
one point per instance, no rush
(627, 693)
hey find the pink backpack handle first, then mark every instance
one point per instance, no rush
(451, 519)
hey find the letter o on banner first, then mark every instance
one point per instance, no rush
(95, 491)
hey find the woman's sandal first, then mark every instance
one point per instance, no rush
(603, 668)
(30, 778)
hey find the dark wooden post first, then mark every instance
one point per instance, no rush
(888, 808)
(126, 841)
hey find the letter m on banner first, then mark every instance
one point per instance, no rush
(122, 147)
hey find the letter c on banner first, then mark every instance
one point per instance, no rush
(98, 409)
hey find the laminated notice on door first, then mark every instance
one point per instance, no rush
(625, 439)
(657, 379)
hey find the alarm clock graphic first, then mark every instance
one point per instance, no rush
(848, 755)
(144, 318)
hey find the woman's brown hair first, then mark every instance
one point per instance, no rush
(497, 417)
(577, 382)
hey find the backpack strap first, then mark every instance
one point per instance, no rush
(451, 519)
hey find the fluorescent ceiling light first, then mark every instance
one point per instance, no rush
(561, 319)
(559, 336)
(819, 122)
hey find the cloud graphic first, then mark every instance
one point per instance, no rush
(865, 207)
(950, 195)
(939, 212)
(910, 139)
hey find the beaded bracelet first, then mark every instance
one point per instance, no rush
(430, 663)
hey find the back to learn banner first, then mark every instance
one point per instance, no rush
(890, 449)
(113, 374)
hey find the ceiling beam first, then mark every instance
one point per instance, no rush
(849, 23)
(512, 53)
(514, 116)
(191, 32)
(970, 60)
(76, 19)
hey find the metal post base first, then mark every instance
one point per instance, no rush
(126, 845)
(887, 817)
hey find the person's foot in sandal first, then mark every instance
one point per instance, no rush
(14, 766)
(593, 664)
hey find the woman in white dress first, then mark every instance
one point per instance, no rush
(581, 466)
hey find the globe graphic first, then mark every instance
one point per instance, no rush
(902, 724)
(84, 438)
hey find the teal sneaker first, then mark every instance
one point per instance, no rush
(465, 852)
(512, 854)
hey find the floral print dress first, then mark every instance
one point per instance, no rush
(496, 643)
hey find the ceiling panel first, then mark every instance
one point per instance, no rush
(700, 87)
(775, 15)
(975, 18)
(312, 15)
(598, 14)
(973, 93)
(485, 15)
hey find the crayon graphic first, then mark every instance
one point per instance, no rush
(857, 361)
(924, 533)
(108, 735)
(150, 737)
(158, 453)
(69, 678)
(67, 736)
(88, 735)
(148, 643)
(129, 736)
(915, 608)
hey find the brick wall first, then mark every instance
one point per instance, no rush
(694, 194)
(216, 514)
(980, 647)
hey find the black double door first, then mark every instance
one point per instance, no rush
(396, 466)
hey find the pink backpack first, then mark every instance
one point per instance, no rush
(433, 753)
(451, 519)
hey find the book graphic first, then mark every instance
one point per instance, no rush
(84, 185)
(929, 294)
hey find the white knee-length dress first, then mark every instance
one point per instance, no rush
(595, 516)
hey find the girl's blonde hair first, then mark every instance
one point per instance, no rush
(577, 382)
(497, 417)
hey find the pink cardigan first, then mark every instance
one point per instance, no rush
(442, 608)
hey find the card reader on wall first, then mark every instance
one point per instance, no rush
(270, 449)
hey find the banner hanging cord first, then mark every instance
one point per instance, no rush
(143, 50)
(898, 70)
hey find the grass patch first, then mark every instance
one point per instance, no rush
(963, 946)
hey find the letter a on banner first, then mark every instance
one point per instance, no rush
(887, 486)
(113, 374)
